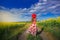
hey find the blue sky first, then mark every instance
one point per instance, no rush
(21, 10)
(17, 3)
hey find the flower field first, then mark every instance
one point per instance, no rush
(10, 30)
(52, 26)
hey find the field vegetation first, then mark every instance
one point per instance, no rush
(10, 30)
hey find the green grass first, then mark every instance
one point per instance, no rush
(52, 26)
(31, 37)
(9, 30)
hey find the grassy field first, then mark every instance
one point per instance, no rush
(10, 30)
(52, 26)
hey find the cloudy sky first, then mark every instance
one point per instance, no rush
(21, 10)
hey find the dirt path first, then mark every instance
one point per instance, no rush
(22, 36)
(44, 36)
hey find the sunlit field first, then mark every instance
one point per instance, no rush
(52, 26)
(10, 30)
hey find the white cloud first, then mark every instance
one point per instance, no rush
(15, 14)
(32, 11)
(7, 17)
(54, 6)
(44, 0)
